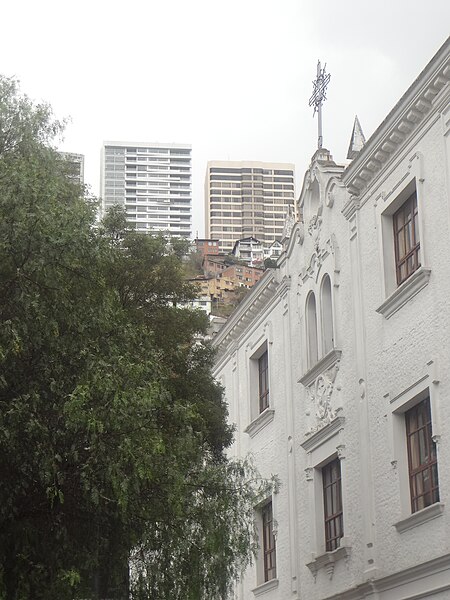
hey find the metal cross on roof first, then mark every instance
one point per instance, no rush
(318, 96)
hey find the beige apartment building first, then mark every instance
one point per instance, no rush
(244, 199)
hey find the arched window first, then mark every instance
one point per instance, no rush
(327, 316)
(311, 330)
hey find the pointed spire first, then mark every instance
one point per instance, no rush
(357, 140)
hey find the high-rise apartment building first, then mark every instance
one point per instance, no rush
(75, 166)
(152, 182)
(244, 199)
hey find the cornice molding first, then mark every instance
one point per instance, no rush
(322, 365)
(260, 422)
(429, 91)
(419, 517)
(322, 435)
(247, 312)
(407, 290)
(265, 587)
(411, 574)
(327, 560)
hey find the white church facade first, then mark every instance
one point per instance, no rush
(336, 369)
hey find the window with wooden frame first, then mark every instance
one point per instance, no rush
(422, 458)
(332, 504)
(406, 239)
(269, 550)
(263, 381)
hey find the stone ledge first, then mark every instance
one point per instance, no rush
(260, 422)
(323, 434)
(329, 559)
(407, 290)
(419, 517)
(265, 587)
(324, 363)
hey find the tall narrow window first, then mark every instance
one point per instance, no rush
(332, 503)
(311, 329)
(422, 459)
(327, 316)
(406, 239)
(263, 368)
(270, 567)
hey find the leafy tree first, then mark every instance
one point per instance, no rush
(193, 264)
(270, 263)
(112, 431)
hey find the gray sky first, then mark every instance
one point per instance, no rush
(232, 78)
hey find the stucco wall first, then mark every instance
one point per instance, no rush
(390, 347)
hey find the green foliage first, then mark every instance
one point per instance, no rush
(193, 264)
(112, 430)
(270, 263)
(231, 259)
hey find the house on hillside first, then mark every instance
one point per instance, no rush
(249, 250)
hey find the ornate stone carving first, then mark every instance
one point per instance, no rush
(362, 388)
(320, 254)
(288, 223)
(314, 225)
(329, 200)
(320, 395)
(314, 228)
(341, 451)
(301, 233)
(330, 570)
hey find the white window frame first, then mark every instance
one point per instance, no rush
(317, 290)
(258, 420)
(323, 447)
(425, 386)
(394, 296)
(264, 586)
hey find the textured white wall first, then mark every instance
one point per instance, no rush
(381, 361)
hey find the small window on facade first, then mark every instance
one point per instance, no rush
(327, 316)
(263, 370)
(270, 568)
(332, 504)
(311, 330)
(422, 459)
(406, 239)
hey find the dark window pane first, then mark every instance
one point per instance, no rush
(422, 461)
(406, 239)
(268, 543)
(263, 368)
(332, 498)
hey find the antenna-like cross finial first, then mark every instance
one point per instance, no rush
(318, 96)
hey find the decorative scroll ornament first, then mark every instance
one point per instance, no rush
(314, 226)
(300, 233)
(320, 395)
(288, 224)
(318, 257)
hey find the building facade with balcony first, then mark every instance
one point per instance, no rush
(153, 182)
(335, 370)
(247, 199)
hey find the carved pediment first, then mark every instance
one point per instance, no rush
(323, 401)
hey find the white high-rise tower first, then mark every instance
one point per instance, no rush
(152, 181)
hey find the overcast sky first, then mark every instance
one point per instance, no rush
(232, 78)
